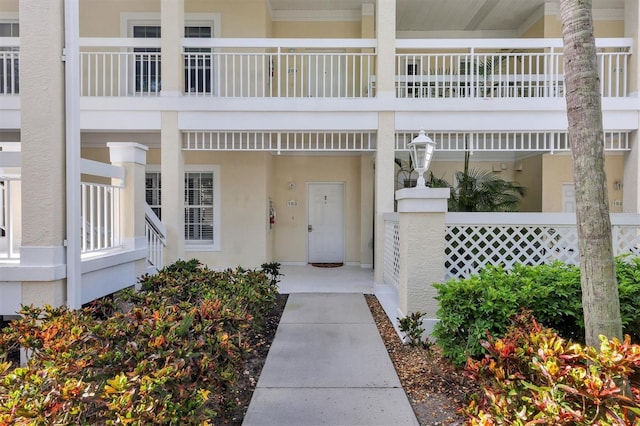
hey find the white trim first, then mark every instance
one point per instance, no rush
(217, 209)
(10, 17)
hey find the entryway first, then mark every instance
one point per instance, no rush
(325, 224)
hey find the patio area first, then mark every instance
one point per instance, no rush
(311, 279)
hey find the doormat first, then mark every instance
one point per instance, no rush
(327, 265)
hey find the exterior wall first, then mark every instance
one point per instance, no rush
(530, 177)
(557, 170)
(242, 208)
(290, 230)
(10, 6)
(100, 18)
(535, 31)
(317, 29)
(268, 180)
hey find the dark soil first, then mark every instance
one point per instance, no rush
(260, 343)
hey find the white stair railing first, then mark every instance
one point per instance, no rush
(156, 234)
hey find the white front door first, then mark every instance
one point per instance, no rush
(326, 222)
(568, 198)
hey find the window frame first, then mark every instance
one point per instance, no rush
(204, 245)
(130, 20)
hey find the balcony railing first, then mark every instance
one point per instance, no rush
(223, 67)
(9, 66)
(100, 208)
(500, 68)
(9, 232)
(333, 68)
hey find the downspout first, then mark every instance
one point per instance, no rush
(70, 56)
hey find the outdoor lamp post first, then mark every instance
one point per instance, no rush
(421, 149)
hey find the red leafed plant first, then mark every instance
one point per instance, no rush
(533, 376)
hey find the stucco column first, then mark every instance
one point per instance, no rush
(132, 157)
(42, 119)
(631, 179)
(172, 176)
(385, 152)
(172, 24)
(366, 210)
(422, 243)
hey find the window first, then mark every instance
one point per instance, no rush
(9, 62)
(197, 66)
(147, 60)
(153, 192)
(201, 208)
(197, 62)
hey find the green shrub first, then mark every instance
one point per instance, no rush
(468, 308)
(172, 356)
(533, 376)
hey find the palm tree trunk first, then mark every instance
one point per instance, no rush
(600, 298)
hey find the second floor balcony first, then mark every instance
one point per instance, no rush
(332, 68)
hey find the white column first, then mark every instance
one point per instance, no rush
(422, 243)
(385, 153)
(172, 175)
(172, 24)
(631, 179)
(132, 157)
(366, 210)
(42, 118)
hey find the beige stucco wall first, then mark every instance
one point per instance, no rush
(553, 28)
(557, 170)
(99, 18)
(290, 236)
(317, 29)
(242, 208)
(8, 6)
(535, 31)
(531, 178)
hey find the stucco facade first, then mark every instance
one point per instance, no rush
(257, 102)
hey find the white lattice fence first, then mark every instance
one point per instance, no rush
(476, 240)
(391, 273)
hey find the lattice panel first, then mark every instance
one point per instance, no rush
(391, 274)
(626, 239)
(471, 248)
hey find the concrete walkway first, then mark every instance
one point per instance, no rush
(328, 366)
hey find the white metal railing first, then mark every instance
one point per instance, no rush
(100, 208)
(318, 68)
(228, 67)
(9, 233)
(391, 260)
(120, 67)
(156, 234)
(499, 68)
(9, 66)
(526, 141)
(475, 240)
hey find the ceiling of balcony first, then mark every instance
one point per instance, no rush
(441, 15)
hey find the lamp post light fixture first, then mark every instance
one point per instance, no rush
(421, 149)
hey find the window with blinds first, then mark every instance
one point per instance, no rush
(199, 207)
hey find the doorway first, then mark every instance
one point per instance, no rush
(325, 222)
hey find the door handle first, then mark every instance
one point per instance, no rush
(309, 228)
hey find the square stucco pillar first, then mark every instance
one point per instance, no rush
(132, 157)
(422, 243)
